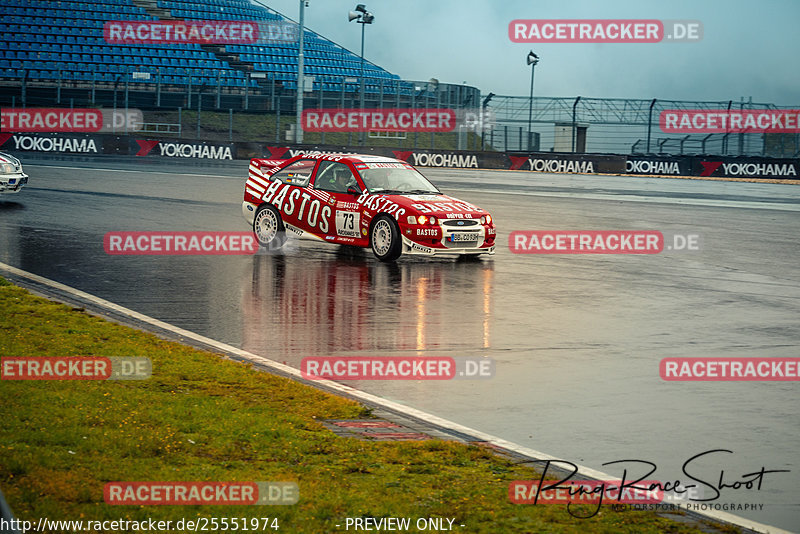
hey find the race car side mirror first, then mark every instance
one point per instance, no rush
(353, 190)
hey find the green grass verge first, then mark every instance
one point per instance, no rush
(204, 418)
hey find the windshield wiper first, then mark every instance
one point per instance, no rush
(422, 192)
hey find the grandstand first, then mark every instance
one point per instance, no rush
(62, 42)
(64, 39)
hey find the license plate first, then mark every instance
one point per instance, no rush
(459, 238)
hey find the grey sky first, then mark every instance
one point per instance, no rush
(750, 48)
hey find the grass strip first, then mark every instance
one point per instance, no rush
(205, 418)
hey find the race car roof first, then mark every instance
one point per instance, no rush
(355, 158)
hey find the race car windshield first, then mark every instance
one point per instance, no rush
(396, 178)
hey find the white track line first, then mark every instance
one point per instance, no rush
(366, 397)
(127, 170)
(635, 198)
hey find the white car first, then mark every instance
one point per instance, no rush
(11, 176)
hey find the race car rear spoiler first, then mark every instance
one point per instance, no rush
(266, 165)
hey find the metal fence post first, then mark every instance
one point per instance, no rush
(574, 122)
(24, 94)
(277, 120)
(199, 110)
(219, 88)
(247, 93)
(650, 124)
(320, 105)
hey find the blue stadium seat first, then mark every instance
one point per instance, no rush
(69, 35)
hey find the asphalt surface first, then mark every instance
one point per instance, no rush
(576, 339)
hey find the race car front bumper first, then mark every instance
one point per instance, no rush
(410, 247)
(12, 183)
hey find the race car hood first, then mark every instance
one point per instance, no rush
(441, 206)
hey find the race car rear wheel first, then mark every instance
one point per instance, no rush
(268, 227)
(385, 239)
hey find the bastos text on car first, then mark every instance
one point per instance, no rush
(364, 201)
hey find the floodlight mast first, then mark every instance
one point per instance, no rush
(298, 128)
(532, 59)
(363, 17)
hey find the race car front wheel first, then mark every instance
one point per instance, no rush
(268, 227)
(385, 239)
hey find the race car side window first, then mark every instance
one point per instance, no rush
(298, 173)
(334, 177)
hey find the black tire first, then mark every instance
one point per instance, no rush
(384, 237)
(268, 227)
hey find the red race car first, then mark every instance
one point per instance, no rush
(362, 201)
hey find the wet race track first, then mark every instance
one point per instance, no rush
(576, 339)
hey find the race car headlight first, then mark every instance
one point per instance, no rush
(487, 219)
(411, 219)
(422, 219)
(7, 168)
(432, 220)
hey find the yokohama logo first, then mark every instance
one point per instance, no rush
(555, 165)
(184, 150)
(652, 167)
(759, 169)
(749, 169)
(53, 144)
(445, 160)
